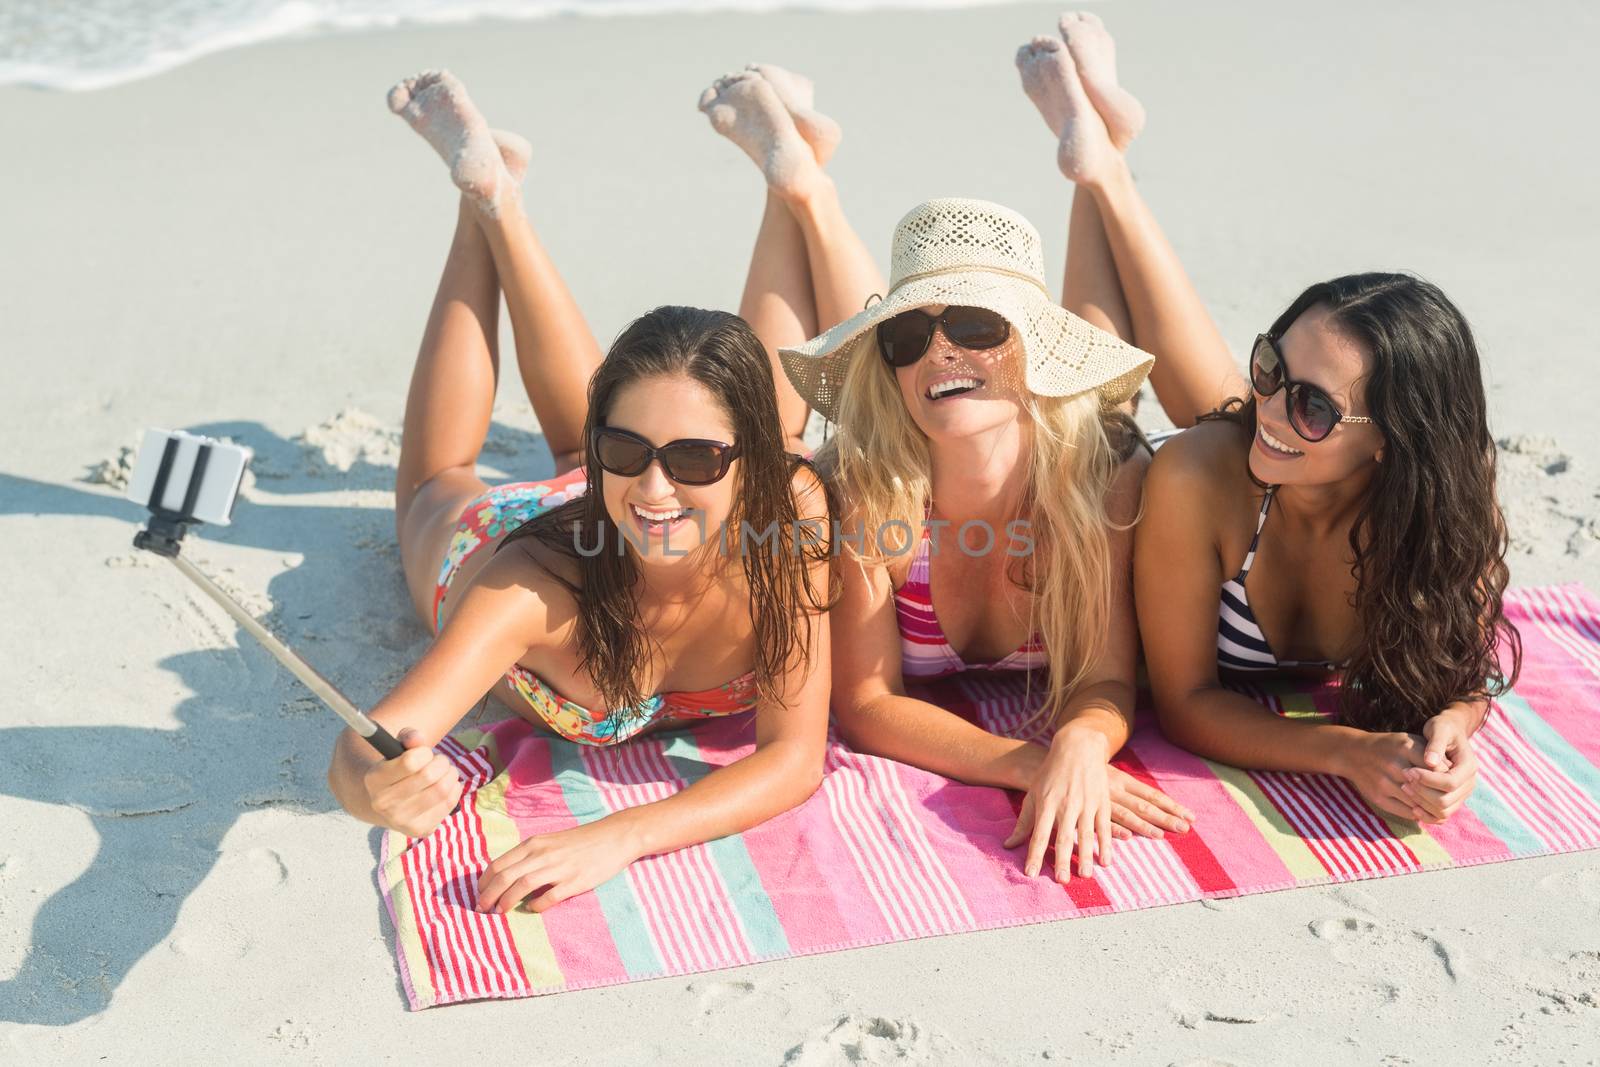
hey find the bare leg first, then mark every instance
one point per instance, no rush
(1091, 288)
(448, 408)
(556, 352)
(809, 270)
(779, 305)
(1194, 370)
(844, 275)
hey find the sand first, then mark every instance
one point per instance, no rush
(246, 246)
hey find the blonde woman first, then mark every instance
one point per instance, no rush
(1027, 447)
(990, 485)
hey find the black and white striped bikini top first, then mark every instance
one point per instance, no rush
(1241, 646)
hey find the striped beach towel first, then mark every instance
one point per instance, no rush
(884, 852)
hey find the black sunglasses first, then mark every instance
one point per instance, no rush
(904, 338)
(686, 461)
(1312, 412)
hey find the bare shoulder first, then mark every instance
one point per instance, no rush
(810, 491)
(532, 585)
(1201, 464)
(1127, 488)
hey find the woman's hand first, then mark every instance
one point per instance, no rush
(1141, 809)
(1069, 796)
(413, 792)
(549, 868)
(1448, 773)
(1378, 765)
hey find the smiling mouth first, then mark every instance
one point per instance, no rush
(1275, 446)
(658, 520)
(953, 387)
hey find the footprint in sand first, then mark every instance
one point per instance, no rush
(292, 1034)
(717, 993)
(216, 944)
(258, 868)
(1353, 939)
(872, 1039)
(718, 996)
(1581, 885)
(1570, 985)
(1548, 498)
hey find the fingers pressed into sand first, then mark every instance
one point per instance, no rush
(745, 108)
(1095, 54)
(799, 98)
(1051, 81)
(436, 105)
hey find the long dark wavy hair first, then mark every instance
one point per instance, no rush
(1430, 539)
(723, 354)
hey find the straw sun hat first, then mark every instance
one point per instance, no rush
(973, 253)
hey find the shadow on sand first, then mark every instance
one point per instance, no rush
(250, 737)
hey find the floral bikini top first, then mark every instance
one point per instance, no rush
(484, 522)
(577, 723)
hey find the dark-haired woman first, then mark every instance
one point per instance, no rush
(601, 604)
(1340, 519)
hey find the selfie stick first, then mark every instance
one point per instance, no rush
(163, 536)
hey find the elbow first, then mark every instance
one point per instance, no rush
(338, 775)
(801, 775)
(808, 781)
(855, 727)
(1177, 721)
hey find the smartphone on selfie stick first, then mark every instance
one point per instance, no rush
(184, 480)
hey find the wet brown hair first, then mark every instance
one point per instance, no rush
(1430, 538)
(720, 352)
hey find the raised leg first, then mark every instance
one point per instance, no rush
(844, 275)
(1091, 288)
(810, 271)
(556, 351)
(447, 408)
(779, 305)
(1194, 370)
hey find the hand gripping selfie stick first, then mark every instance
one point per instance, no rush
(168, 525)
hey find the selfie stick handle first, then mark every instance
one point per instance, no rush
(376, 736)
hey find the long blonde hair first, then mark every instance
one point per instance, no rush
(879, 462)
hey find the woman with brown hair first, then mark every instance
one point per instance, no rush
(604, 603)
(1352, 487)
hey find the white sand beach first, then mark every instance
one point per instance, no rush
(247, 246)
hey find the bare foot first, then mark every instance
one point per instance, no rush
(1051, 81)
(515, 151)
(436, 105)
(798, 96)
(1095, 53)
(745, 108)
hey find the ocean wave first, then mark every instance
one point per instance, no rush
(81, 45)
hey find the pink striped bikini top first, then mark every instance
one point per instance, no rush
(924, 650)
